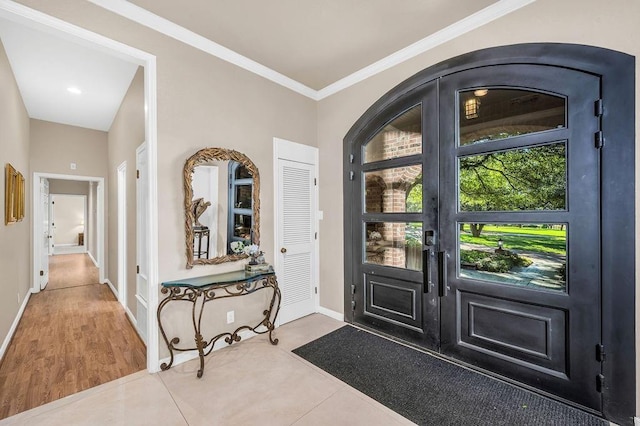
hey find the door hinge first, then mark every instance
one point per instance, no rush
(315, 182)
(353, 289)
(351, 158)
(599, 382)
(598, 108)
(137, 174)
(600, 353)
(599, 139)
(351, 175)
(316, 236)
(137, 269)
(353, 305)
(316, 290)
(42, 273)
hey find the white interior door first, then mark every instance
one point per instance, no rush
(122, 233)
(46, 236)
(296, 261)
(142, 251)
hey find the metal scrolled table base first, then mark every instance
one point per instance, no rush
(205, 294)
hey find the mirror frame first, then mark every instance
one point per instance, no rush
(203, 157)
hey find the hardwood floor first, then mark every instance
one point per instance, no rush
(71, 270)
(68, 340)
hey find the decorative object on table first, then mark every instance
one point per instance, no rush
(199, 207)
(237, 247)
(260, 267)
(253, 251)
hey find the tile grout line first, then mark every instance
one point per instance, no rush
(172, 398)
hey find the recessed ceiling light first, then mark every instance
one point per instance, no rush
(74, 90)
(481, 92)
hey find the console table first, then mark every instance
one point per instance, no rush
(200, 290)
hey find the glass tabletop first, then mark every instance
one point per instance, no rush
(219, 279)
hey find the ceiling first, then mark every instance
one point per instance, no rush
(45, 66)
(313, 47)
(314, 42)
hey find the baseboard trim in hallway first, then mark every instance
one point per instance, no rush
(14, 326)
(113, 289)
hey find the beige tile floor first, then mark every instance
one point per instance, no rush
(251, 382)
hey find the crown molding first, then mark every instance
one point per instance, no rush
(170, 29)
(471, 22)
(144, 17)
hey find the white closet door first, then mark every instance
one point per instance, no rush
(296, 239)
(142, 236)
(46, 247)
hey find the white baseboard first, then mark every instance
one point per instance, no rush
(68, 249)
(133, 319)
(93, 259)
(14, 325)
(183, 357)
(113, 289)
(331, 314)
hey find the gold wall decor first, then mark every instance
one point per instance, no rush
(13, 195)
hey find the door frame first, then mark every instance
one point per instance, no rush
(121, 208)
(38, 215)
(28, 16)
(616, 71)
(293, 151)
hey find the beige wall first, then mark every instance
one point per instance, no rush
(125, 135)
(202, 102)
(15, 279)
(70, 187)
(55, 146)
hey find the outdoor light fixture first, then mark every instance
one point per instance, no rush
(471, 108)
(500, 243)
(480, 92)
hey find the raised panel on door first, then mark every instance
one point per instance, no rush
(520, 226)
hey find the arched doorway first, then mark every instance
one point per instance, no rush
(514, 223)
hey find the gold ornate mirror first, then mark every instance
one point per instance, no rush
(221, 206)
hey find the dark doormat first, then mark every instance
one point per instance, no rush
(428, 390)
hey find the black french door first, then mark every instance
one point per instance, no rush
(478, 232)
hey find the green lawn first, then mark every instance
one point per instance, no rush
(516, 238)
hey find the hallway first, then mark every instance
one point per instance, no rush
(71, 270)
(73, 336)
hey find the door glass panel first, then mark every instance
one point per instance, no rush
(514, 180)
(243, 196)
(396, 190)
(400, 138)
(523, 254)
(395, 244)
(491, 114)
(242, 226)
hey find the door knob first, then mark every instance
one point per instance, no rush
(283, 250)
